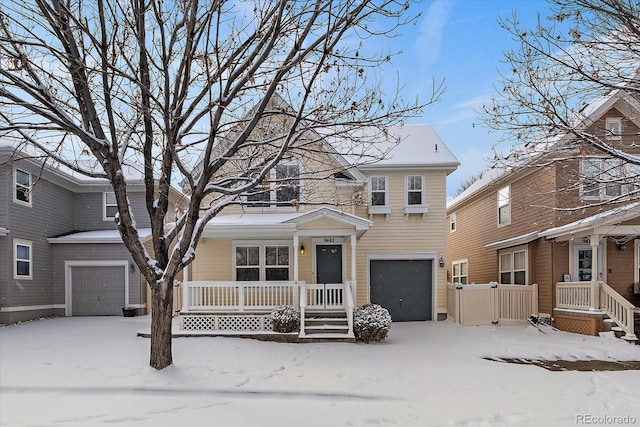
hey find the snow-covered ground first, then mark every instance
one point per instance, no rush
(94, 371)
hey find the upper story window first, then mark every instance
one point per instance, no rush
(606, 178)
(378, 191)
(259, 262)
(452, 222)
(504, 206)
(614, 128)
(22, 187)
(415, 190)
(513, 267)
(459, 271)
(280, 188)
(22, 259)
(109, 206)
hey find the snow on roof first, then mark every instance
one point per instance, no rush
(97, 236)
(609, 217)
(513, 241)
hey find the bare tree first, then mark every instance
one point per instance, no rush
(213, 94)
(582, 56)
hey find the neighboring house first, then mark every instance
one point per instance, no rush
(60, 251)
(512, 225)
(350, 236)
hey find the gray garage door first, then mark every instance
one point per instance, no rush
(403, 287)
(97, 291)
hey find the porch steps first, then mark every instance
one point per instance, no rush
(326, 326)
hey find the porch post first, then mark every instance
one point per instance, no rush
(595, 273)
(295, 256)
(185, 288)
(353, 266)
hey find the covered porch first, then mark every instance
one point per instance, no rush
(249, 264)
(604, 268)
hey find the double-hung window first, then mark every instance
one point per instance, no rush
(22, 187)
(378, 191)
(602, 179)
(415, 195)
(614, 128)
(452, 222)
(109, 206)
(22, 259)
(459, 271)
(513, 267)
(262, 261)
(504, 206)
(280, 188)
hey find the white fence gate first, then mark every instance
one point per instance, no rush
(491, 303)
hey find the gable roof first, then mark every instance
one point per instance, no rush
(277, 225)
(603, 219)
(539, 147)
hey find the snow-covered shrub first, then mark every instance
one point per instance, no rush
(371, 323)
(285, 319)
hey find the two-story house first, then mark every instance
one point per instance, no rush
(60, 251)
(572, 226)
(352, 234)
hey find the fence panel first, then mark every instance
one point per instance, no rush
(491, 303)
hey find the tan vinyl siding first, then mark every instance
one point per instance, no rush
(399, 235)
(214, 261)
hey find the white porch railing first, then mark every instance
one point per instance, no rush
(596, 296)
(334, 296)
(238, 296)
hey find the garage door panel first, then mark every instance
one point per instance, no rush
(98, 290)
(404, 287)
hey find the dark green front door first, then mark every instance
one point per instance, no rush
(329, 263)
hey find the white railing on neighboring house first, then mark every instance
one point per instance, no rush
(596, 296)
(575, 296)
(238, 296)
(491, 303)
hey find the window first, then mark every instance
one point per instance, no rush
(607, 178)
(378, 191)
(22, 255)
(513, 267)
(614, 128)
(110, 207)
(281, 187)
(256, 262)
(459, 272)
(277, 263)
(452, 222)
(414, 190)
(23, 187)
(247, 263)
(504, 206)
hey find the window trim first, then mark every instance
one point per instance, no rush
(501, 204)
(452, 223)
(611, 123)
(407, 179)
(262, 265)
(459, 263)
(26, 243)
(271, 181)
(16, 184)
(512, 270)
(104, 206)
(385, 192)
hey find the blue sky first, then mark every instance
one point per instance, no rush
(461, 41)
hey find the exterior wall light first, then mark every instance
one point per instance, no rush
(301, 249)
(441, 262)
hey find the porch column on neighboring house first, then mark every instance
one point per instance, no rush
(595, 273)
(353, 266)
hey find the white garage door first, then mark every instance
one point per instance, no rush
(98, 290)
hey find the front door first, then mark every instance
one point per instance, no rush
(329, 263)
(584, 266)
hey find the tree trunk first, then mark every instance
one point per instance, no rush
(161, 319)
